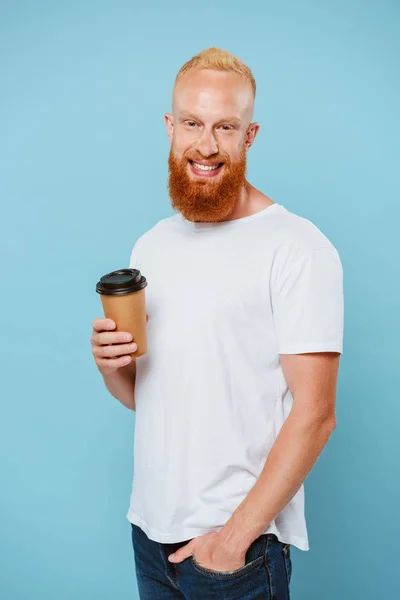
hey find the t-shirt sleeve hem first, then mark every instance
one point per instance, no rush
(311, 347)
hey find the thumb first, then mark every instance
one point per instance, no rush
(182, 553)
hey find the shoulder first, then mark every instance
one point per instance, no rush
(296, 236)
(299, 232)
(297, 239)
(155, 233)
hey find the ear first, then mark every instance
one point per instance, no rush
(169, 124)
(251, 133)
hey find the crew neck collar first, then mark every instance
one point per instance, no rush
(200, 226)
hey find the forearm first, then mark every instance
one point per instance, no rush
(121, 385)
(294, 453)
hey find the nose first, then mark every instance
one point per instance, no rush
(207, 144)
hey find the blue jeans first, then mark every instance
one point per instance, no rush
(265, 576)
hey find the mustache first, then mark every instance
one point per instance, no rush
(214, 161)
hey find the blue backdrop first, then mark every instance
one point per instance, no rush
(83, 160)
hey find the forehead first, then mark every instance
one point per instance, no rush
(212, 95)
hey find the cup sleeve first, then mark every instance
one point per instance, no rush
(308, 304)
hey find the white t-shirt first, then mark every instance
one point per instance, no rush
(224, 300)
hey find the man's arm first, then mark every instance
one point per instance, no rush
(312, 380)
(121, 384)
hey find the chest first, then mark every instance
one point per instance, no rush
(204, 280)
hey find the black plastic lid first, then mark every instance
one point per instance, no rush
(121, 282)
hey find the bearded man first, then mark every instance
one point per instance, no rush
(235, 398)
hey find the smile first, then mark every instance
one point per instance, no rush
(205, 170)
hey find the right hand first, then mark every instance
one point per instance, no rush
(110, 348)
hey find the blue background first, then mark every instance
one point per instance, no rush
(83, 160)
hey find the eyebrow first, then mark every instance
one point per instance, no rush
(185, 114)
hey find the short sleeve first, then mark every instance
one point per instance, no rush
(308, 304)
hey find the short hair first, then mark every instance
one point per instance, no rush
(220, 60)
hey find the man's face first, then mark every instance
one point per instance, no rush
(208, 128)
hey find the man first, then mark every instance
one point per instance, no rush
(235, 399)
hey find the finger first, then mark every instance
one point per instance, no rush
(103, 325)
(112, 337)
(182, 553)
(113, 363)
(112, 350)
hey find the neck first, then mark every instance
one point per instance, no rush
(250, 201)
(242, 206)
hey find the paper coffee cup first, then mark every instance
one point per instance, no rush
(122, 295)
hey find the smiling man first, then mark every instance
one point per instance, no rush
(207, 161)
(235, 399)
(211, 131)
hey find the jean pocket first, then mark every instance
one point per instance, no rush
(254, 556)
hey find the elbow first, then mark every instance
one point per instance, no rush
(329, 423)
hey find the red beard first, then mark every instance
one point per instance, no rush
(205, 199)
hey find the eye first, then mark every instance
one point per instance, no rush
(190, 123)
(227, 127)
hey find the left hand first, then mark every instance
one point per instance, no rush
(210, 552)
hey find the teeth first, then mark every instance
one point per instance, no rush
(205, 167)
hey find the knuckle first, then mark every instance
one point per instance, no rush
(100, 339)
(104, 351)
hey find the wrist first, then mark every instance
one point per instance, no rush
(236, 538)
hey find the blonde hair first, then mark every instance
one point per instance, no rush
(220, 60)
